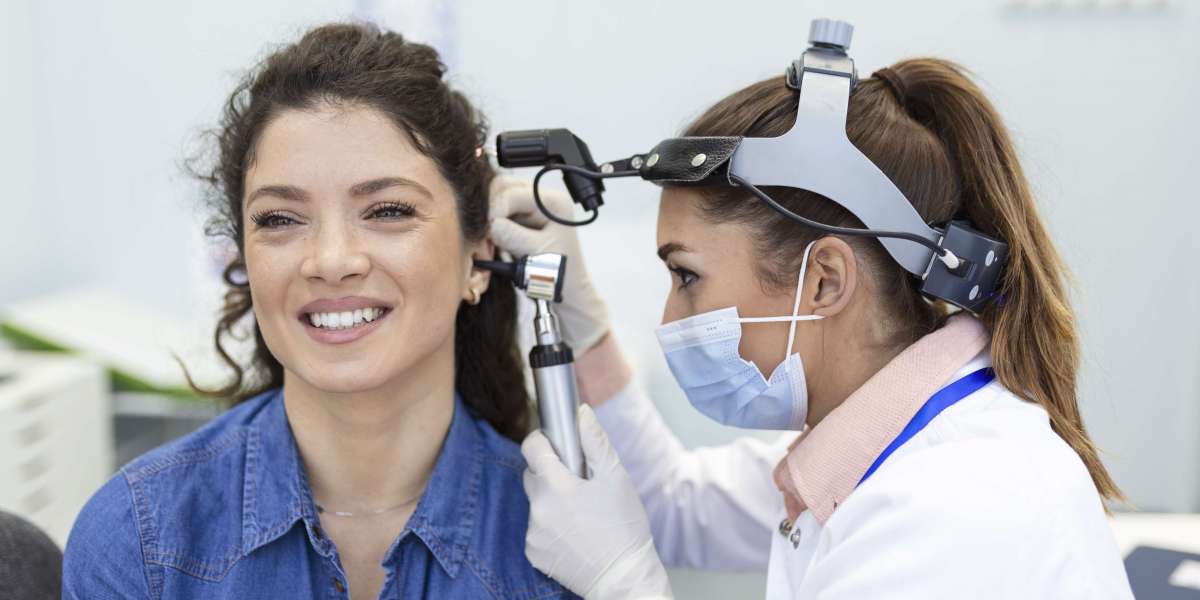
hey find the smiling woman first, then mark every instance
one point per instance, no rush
(370, 449)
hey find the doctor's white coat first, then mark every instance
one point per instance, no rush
(984, 502)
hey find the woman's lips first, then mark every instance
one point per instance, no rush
(345, 303)
(331, 330)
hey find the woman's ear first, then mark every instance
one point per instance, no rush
(832, 276)
(478, 280)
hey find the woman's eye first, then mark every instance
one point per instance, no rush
(272, 220)
(686, 277)
(391, 211)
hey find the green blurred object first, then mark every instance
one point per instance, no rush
(121, 380)
(143, 350)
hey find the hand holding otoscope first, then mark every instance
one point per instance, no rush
(528, 221)
(524, 224)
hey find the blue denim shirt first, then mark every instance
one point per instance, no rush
(227, 512)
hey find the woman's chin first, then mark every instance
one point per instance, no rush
(343, 381)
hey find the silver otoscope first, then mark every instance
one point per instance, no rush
(541, 276)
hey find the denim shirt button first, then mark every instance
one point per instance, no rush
(337, 583)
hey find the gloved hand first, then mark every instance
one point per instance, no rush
(521, 229)
(590, 535)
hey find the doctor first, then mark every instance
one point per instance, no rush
(940, 454)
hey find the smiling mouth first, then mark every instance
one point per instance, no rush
(347, 319)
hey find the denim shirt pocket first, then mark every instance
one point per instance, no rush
(179, 521)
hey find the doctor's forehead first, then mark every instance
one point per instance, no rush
(678, 215)
(683, 226)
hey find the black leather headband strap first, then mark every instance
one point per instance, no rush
(687, 160)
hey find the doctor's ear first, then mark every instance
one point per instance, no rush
(832, 276)
(478, 280)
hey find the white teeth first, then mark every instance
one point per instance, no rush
(344, 319)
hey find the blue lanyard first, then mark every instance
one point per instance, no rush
(940, 401)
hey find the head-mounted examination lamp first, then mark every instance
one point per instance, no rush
(955, 263)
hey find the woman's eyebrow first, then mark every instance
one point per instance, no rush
(366, 188)
(285, 192)
(666, 249)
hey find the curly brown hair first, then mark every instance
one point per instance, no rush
(363, 64)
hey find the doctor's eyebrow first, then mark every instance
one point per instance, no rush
(666, 249)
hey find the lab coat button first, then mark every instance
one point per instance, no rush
(785, 527)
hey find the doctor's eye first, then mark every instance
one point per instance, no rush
(686, 277)
(272, 219)
(391, 211)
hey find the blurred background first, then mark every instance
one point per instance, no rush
(102, 250)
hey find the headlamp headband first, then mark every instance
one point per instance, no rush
(958, 264)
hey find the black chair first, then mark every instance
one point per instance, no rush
(30, 562)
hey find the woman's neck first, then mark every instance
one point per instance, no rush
(373, 449)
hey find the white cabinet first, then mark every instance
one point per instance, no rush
(56, 438)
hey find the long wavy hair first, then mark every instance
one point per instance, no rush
(932, 131)
(364, 65)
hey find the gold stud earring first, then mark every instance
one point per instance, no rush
(474, 297)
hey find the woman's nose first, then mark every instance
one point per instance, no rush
(671, 312)
(334, 256)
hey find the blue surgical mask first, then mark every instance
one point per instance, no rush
(702, 352)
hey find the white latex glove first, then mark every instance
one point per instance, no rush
(521, 229)
(590, 535)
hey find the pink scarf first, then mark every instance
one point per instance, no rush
(826, 462)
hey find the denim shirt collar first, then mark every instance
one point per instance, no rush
(276, 493)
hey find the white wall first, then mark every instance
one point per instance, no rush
(102, 101)
(120, 94)
(21, 240)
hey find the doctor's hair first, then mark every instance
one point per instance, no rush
(362, 65)
(932, 131)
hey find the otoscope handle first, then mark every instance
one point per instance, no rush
(558, 399)
(553, 366)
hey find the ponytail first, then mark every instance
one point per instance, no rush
(1035, 348)
(935, 135)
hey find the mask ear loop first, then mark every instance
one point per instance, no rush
(796, 305)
